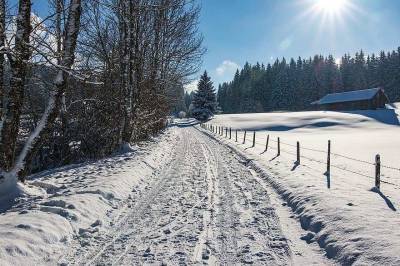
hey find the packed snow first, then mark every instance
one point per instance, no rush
(182, 198)
(194, 197)
(343, 212)
(66, 208)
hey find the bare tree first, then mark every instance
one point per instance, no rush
(2, 45)
(117, 68)
(19, 65)
(54, 104)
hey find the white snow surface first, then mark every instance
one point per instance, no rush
(185, 122)
(186, 198)
(181, 199)
(354, 222)
(57, 208)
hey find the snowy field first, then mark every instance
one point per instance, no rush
(360, 134)
(351, 220)
(192, 197)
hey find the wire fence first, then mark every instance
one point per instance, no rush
(245, 136)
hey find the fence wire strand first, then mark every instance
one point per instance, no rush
(250, 140)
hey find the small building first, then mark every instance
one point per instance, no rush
(354, 100)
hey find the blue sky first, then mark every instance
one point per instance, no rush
(236, 31)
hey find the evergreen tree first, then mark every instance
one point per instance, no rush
(204, 103)
(293, 86)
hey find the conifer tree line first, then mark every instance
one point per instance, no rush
(292, 85)
(90, 78)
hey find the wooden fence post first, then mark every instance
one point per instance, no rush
(279, 147)
(244, 137)
(230, 133)
(254, 139)
(236, 135)
(328, 161)
(298, 153)
(226, 132)
(266, 145)
(378, 171)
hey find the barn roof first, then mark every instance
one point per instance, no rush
(348, 96)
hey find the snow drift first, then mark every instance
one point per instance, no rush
(55, 208)
(353, 221)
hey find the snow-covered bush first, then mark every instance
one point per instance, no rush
(182, 114)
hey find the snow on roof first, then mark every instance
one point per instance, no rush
(348, 96)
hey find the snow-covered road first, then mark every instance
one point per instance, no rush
(183, 198)
(190, 197)
(204, 206)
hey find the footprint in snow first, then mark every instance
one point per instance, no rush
(205, 254)
(308, 237)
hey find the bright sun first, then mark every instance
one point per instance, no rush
(331, 6)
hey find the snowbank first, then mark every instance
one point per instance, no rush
(185, 122)
(351, 220)
(359, 134)
(65, 205)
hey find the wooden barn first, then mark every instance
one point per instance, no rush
(354, 100)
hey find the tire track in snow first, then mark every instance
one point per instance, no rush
(224, 214)
(136, 207)
(203, 250)
(250, 230)
(203, 207)
(178, 174)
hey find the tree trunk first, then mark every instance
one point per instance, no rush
(59, 4)
(19, 65)
(124, 70)
(2, 44)
(54, 105)
(129, 17)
